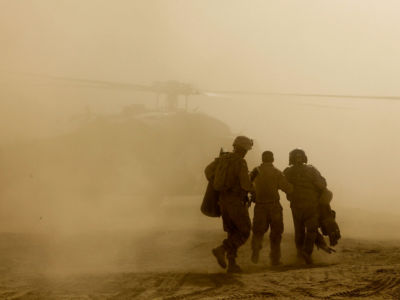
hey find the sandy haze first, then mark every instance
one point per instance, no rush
(91, 177)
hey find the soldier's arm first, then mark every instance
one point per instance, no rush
(319, 181)
(244, 177)
(286, 172)
(286, 177)
(253, 174)
(210, 170)
(283, 184)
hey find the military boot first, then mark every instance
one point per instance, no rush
(233, 267)
(219, 254)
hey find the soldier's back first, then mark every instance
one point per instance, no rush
(305, 192)
(267, 183)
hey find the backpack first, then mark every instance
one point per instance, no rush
(222, 175)
(209, 205)
(216, 173)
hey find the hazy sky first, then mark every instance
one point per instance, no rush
(348, 47)
(340, 46)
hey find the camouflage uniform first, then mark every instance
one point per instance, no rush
(234, 210)
(268, 210)
(304, 202)
(233, 201)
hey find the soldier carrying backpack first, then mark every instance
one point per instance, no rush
(228, 176)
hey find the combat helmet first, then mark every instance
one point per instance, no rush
(243, 142)
(294, 153)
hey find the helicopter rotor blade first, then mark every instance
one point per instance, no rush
(105, 84)
(316, 105)
(90, 83)
(368, 97)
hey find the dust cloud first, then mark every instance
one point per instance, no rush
(91, 169)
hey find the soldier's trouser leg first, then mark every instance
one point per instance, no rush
(276, 233)
(311, 224)
(260, 227)
(237, 224)
(299, 230)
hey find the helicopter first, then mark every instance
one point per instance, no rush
(165, 147)
(173, 90)
(169, 92)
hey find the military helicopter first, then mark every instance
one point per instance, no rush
(158, 153)
(155, 152)
(174, 90)
(170, 93)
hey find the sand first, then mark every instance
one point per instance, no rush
(177, 264)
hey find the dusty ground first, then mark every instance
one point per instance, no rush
(177, 264)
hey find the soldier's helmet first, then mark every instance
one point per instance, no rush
(297, 152)
(243, 142)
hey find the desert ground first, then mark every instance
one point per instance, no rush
(175, 262)
(178, 265)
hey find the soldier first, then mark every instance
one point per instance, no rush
(268, 210)
(304, 201)
(230, 176)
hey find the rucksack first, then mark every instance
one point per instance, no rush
(209, 205)
(222, 176)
